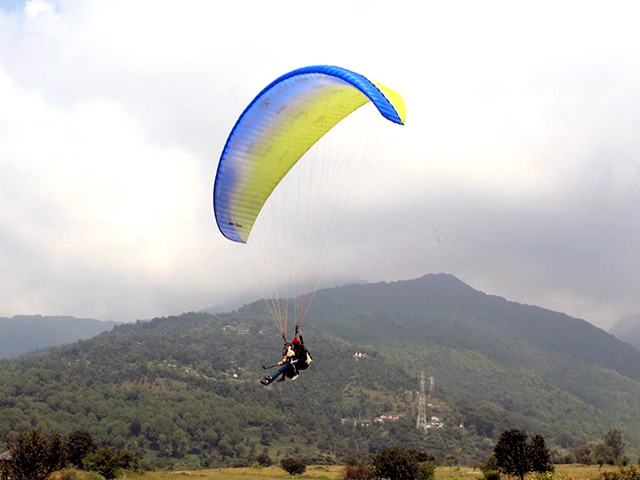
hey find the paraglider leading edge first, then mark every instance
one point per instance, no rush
(393, 112)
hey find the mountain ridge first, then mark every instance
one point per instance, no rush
(498, 312)
(23, 334)
(188, 385)
(627, 329)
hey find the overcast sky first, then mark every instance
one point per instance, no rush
(521, 150)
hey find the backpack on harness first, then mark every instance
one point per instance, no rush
(303, 357)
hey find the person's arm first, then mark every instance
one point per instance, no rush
(288, 353)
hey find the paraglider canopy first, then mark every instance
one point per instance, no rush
(278, 127)
(275, 131)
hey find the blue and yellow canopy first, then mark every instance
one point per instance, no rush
(278, 127)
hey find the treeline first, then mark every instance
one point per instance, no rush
(515, 455)
(610, 451)
(34, 456)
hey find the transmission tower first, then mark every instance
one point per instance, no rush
(422, 405)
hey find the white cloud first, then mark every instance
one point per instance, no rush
(113, 115)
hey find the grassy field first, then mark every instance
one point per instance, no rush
(270, 473)
(578, 472)
(334, 472)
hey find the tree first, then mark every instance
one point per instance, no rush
(402, 464)
(126, 460)
(293, 466)
(603, 454)
(34, 455)
(613, 439)
(512, 453)
(101, 461)
(490, 468)
(583, 454)
(107, 463)
(450, 461)
(135, 428)
(354, 470)
(79, 444)
(264, 459)
(540, 455)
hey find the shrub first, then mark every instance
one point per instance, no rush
(427, 470)
(75, 475)
(264, 460)
(402, 464)
(491, 475)
(490, 468)
(548, 475)
(102, 461)
(242, 463)
(127, 460)
(107, 463)
(354, 470)
(34, 456)
(631, 473)
(293, 466)
(79, 444)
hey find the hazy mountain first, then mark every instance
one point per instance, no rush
(25, 333)
(230, 305)
(441, 309)
(627, 329)
(184, 390)
(241, 300)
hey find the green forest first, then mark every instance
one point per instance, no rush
(184, 392)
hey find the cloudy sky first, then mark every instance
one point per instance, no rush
(521, 150)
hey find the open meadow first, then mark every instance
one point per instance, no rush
(320, 472)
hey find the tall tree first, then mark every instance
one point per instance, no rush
(539, 455)
(80, 444)
(512, 453)
(603, 454)
(613, 439)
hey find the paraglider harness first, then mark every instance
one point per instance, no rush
(302, 358)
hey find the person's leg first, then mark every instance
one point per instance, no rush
(270, 379)
(279, 372)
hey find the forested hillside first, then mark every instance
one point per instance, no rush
(26, 333)
(184, 390)
(501, 361)
(627, 329)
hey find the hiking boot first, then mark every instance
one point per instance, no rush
(266, 381)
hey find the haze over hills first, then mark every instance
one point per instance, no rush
(26, 333)
(627, 329)
(241, 300)
(184, 390)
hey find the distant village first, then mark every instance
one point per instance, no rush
(423, 422)
(435, 422)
